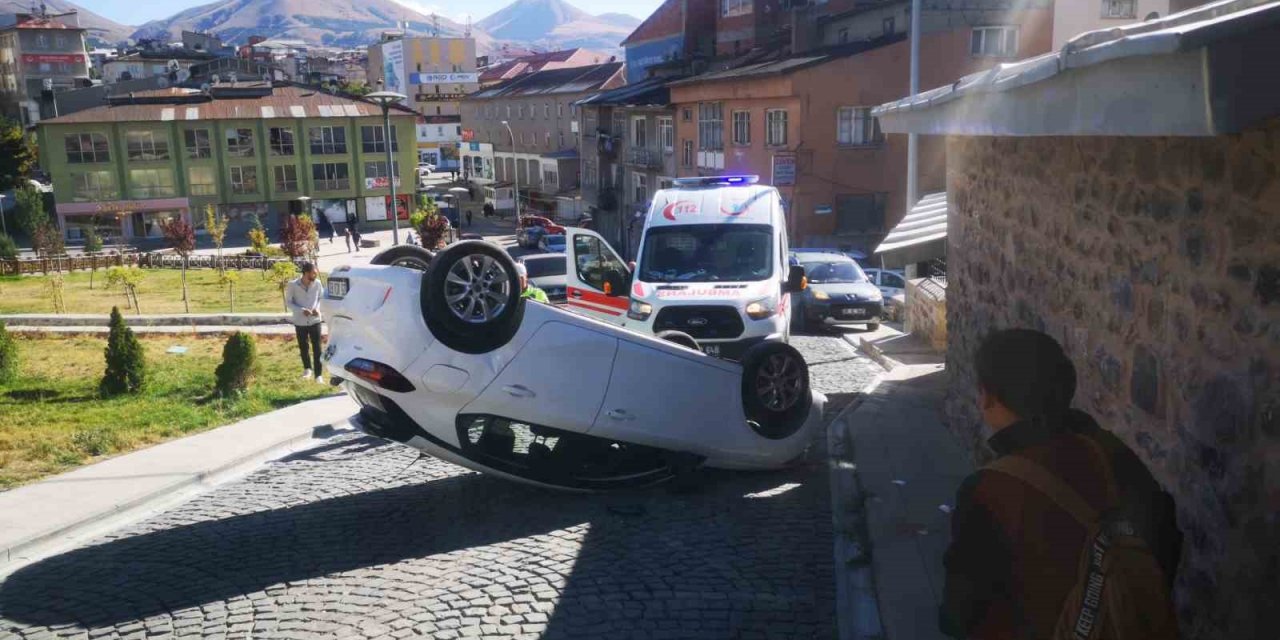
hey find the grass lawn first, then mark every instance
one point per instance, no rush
(52, 419)
(160, 292)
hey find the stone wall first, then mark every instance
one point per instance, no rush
(1156, 262)
(926, 311)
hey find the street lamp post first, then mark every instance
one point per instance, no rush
(3, 224)
(385, 99)
(515, 165)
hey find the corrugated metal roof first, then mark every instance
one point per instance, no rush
(552, 81)
(298, 102)
(647, 92)
(927, 221)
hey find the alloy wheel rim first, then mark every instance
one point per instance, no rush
(477, 288)
(779, 382)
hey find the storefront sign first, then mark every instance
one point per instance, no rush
(438, 97)
(443, 78)
(122, 206)
(393, 66)
(784, 169)
(38, 58)
(378, 183)
(468, 135)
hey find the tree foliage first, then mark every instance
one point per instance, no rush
(126, 363)
(47, 240)
(29, 206)
(17, 154)
(92, 241)
(298, 238)
(180, 237)
(216, 226)
(8, 248)
(239, 363)
(257, 235)
(127, 278)
(282, 273)
(431, 226)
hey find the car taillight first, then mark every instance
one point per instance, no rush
(379, 374)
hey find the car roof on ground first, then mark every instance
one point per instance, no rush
(542, 256)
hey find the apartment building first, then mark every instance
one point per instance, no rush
(251, 149)
(531, 124)
(40, 54)
(1071, 19)
(436, 73)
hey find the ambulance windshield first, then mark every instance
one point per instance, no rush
(707, 253)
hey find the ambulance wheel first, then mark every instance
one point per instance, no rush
(471, 297)
(775, 389)
(405, 255)
(678, 337)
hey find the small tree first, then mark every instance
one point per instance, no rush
(126, 364)
(128, 278)
(8, 248)
(296, 238)
(431, 226)
(239, 363)
(230, 279)
(8, 356)
(282, 273)
(180, 237)
(17, 154)
(55, 285)
(29, 205)
(216, 226)
(92, 246)
(257, 235)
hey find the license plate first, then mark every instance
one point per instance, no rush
(854, 313)
(711, 349)
(338, 287)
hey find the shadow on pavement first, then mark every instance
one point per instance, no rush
(748, 550)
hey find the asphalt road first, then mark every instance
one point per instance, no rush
(362, 538)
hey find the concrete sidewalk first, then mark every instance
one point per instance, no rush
(57, 513)
(907, 467)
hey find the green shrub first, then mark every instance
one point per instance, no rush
(126, 364)
(8, 248)
(8, 356)
(92, 241)
(239, 361)
(95, 442)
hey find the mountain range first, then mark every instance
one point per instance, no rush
(541, 24)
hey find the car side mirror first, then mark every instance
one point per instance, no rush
(614, 283)
(796, 280)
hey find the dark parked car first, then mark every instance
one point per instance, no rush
(546, 272)
(839, 293)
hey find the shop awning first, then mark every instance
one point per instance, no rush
(922, 234)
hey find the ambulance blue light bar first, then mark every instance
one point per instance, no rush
(712, 181)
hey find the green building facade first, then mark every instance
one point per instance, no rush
(264, 151)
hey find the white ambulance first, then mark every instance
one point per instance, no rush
(712, 265)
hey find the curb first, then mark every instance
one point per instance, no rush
(46, 543)
(869, 349)
(145, 320)
(857, 605)
(282, 331)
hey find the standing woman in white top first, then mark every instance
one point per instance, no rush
(303, 298)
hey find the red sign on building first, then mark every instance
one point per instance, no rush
(39, 58)
(468, 135)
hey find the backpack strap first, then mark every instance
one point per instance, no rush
(1040, 479)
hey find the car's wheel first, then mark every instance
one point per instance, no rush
(405, 255)
(775, 389)
(471, 297)
(678, 337)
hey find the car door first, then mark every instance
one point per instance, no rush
(891, 284)
(590, 259)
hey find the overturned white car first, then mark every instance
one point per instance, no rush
(443, 355)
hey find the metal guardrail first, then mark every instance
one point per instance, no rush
(934, 288)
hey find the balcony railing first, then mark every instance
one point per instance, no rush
(644, 157)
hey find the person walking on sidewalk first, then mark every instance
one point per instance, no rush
(303, 298)
(1050, 539)
(346, 235)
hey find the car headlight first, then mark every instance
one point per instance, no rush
(820, 295)
(761, 309)
(639, 310)
(876, 297)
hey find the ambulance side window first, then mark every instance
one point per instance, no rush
(594, 261)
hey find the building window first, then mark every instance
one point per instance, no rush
(856, 126)
(146, 145)
(546, 110)
(860, 214)
(775, 128)
(560, 139)
(550, 178)
(87, 148)
(665, 183)
(1000, 42)
(735, 7)
(151, 183)
(286, 178)
(378, 169)
(667, 134)
(202, 181)
(373, 139)
(711, 126)
(331, 176)
(589, 173)
(686, 114)
(546, 139)
(520, 111)
(742, 127)
(327, 141)
(559, 109)
(687, 158)
(639, 187)
(93, 186)
(281, 140)
(198, 144)
(1119, 9)
(639, 133)
(240, 143)
(244, 180)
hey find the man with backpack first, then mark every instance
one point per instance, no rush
(1066, 534)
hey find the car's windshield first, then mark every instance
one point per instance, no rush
(833, 272)
(708, 253)
(546, 267)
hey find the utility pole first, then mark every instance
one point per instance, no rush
(913, 141)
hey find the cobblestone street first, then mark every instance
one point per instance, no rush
(361, 538)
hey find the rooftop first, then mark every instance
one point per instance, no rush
(554, 81)
(650, 92)
(245, 100)
(1201, 72)
(42, 23)
(760, 63)
(526, 64)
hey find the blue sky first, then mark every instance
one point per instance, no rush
(134, 12)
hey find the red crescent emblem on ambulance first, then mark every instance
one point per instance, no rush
(680, 206)
(637, 290)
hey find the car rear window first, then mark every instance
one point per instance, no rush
(543, 267)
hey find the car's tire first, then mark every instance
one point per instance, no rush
(471, 297)
(873, 326)
(405, 255)
(678, 337)
(775, 389)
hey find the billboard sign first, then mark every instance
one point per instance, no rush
(393, 66)
(642, 56)
(443, 78)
